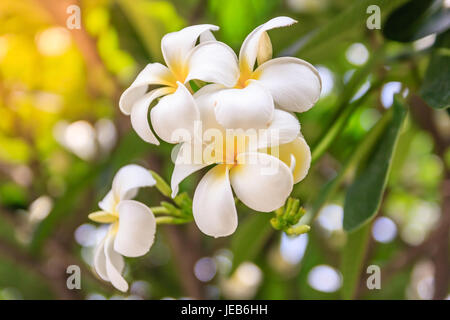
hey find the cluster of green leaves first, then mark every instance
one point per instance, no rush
(287, 217)
(179, 213)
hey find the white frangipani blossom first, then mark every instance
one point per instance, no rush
(176, 108)
(245, 163)
(249, 134)
(132, 224)
(247, 96)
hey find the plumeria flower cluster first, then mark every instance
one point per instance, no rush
(233, 114)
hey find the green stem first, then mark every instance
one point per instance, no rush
(159, 210)
(338, 126)
(171, 220)
(345, 108)
(361, 152)
(297, 230)
(161, 184)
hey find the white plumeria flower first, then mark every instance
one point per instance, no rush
(133, 224)
(176, 109)
(259, 179)
(248, 96)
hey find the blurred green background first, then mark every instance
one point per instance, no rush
(62, 138)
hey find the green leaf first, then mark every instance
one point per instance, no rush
(364, 195)
(435, 88)
(237, 18)
(360, 152)
(14, 150)
(352, 260)
(314, 255)
(139, 15)
(250, 237)
(417, 19)
(24, 281)
(13, 195)
(345, 107)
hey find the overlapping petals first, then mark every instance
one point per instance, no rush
(176, 46)
(132, 224)
(259, 176)
(136, 99)
(263, 184)
(293, 83)
(213, 204)
(250, 107)
(261, 181)
(297, 155)
(139, 113)
(128, 180)
(250, 137)
(214, 62)
(286, 83)
(283, 128)
(136, 229)
(258, 40)
(175, 115)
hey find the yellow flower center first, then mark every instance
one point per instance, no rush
(226, 151)
(180, 72)
(245, 74)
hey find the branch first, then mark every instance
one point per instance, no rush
(186, 255)
(438, 244)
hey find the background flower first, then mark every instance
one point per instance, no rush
(132, 224)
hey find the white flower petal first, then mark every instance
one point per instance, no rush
(114, 265)
(185, 165)
(213, 205)
(175, 46)
(153, 73)
(108, 203)
(137, 226)
(205, 99)
(261, 181)
(181, 172)
(207, 36)
(139, 114)
(173, 118)
(250, 107)
(250, 46)
(128, 179)
(295, 85)
(264, 49)
(298, 149)
(283, 128)
(215, 62)
(100, 260)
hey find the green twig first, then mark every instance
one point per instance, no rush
(338, 126)
(159, 210)
(287, 217)
(360, 153)
(171, 220)
(161, 184)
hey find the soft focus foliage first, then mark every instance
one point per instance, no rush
(63, 137)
